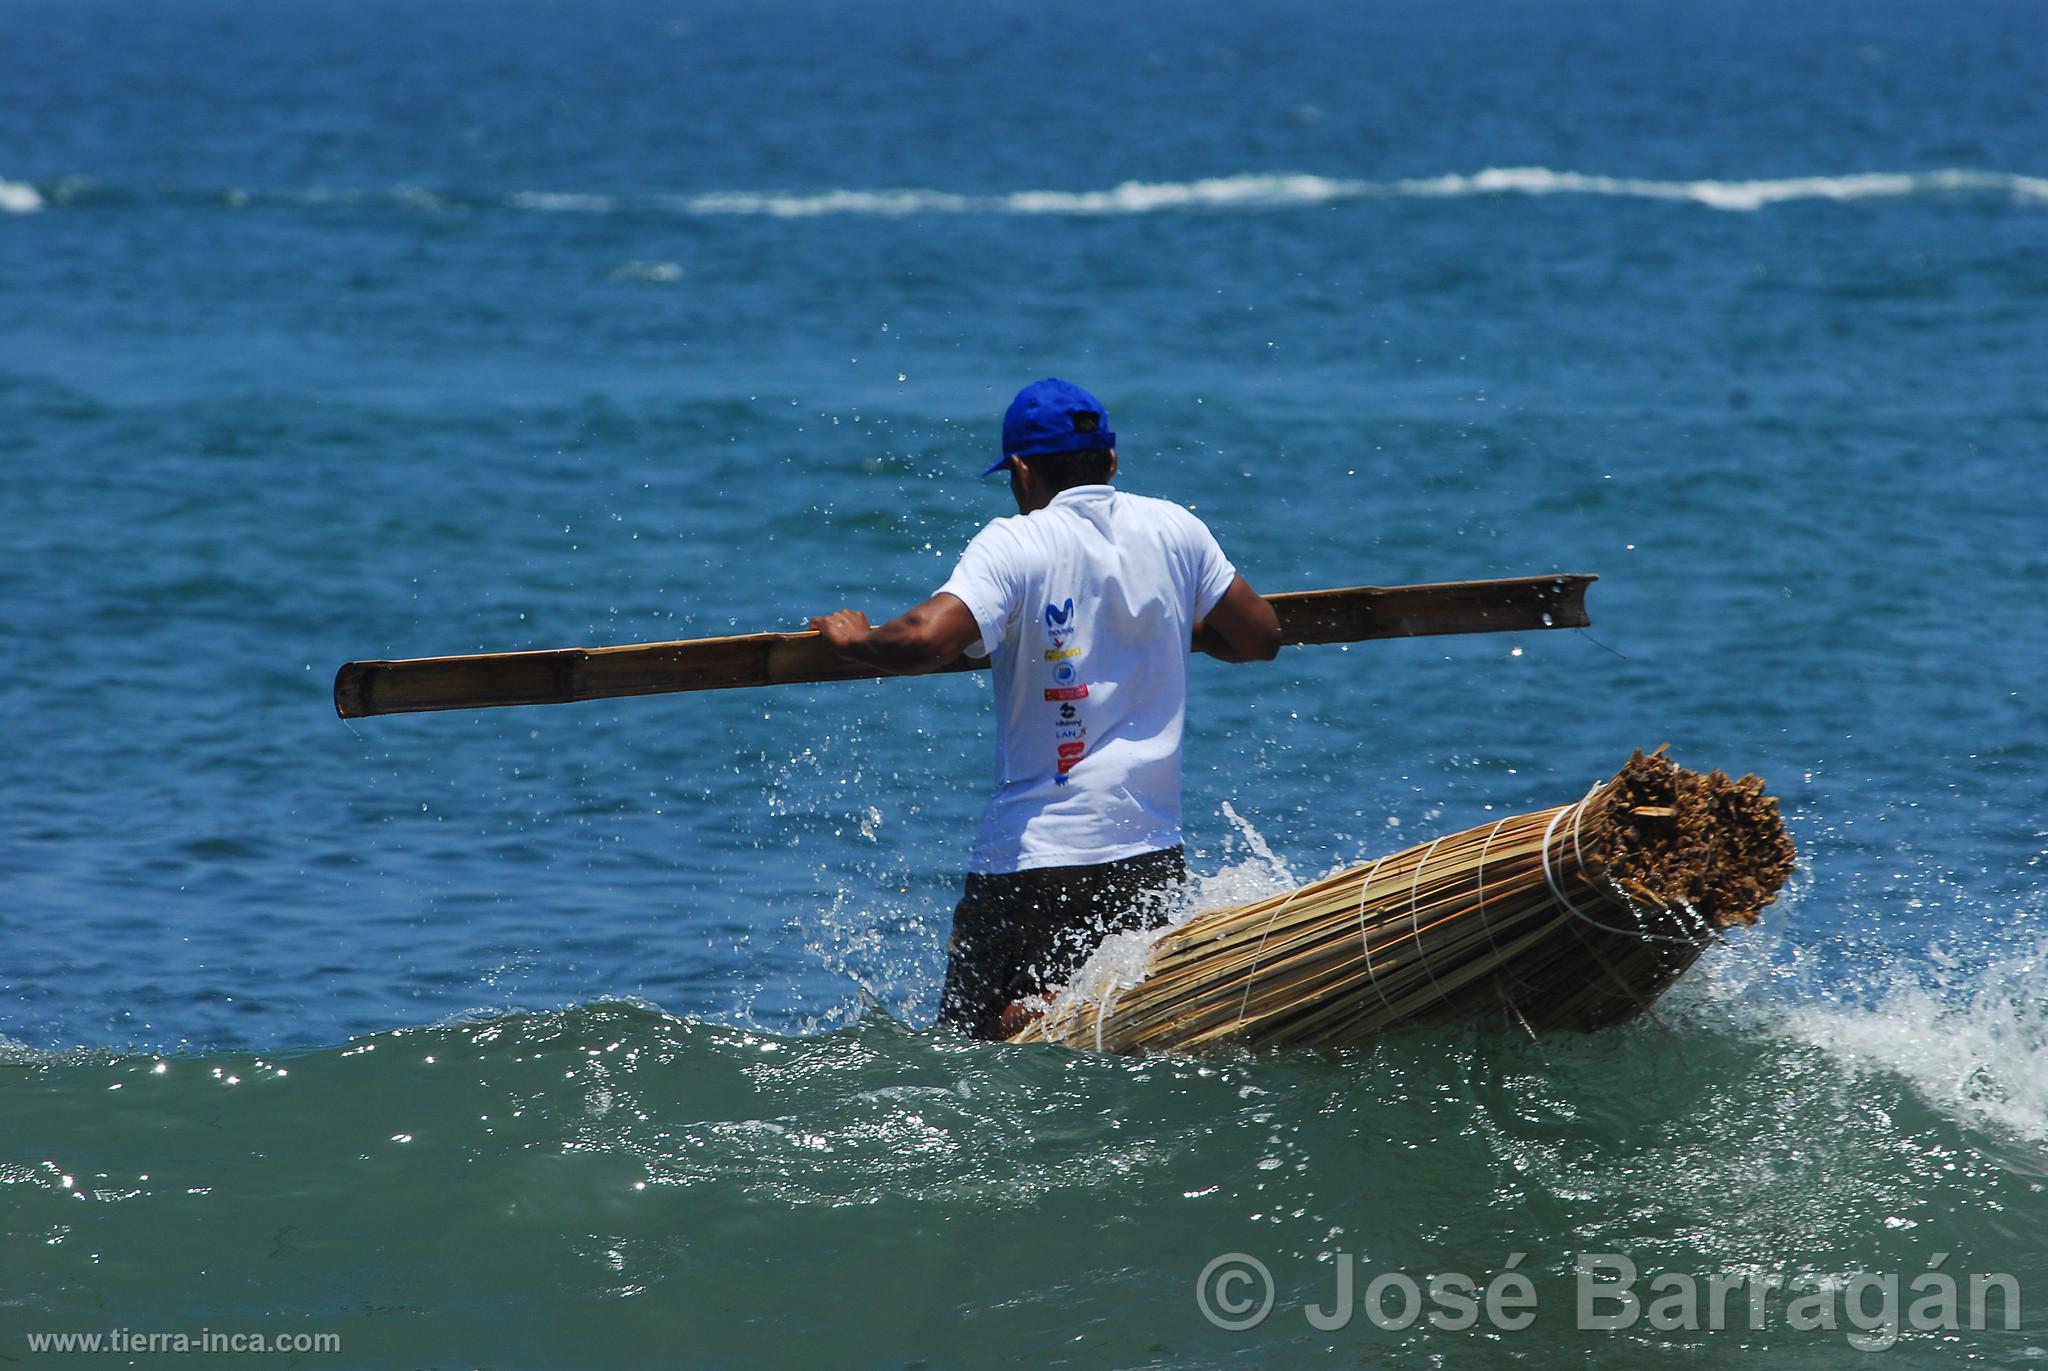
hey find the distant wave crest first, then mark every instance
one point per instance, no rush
(1132, 197)
(1279, 191)
(1733, 195)
(1251, 192)
(18, 198)
(566, 202)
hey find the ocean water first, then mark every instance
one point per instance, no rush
(598, 1035)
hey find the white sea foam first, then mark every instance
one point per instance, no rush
(1728, 195)
(1219, 192)
(417, 197)
(1295, 190)
(1132, 197)
(1975, 1047)
(16, 197)
(793, 205)
(561, 202)
(1969, 1034)
(1249, 192)
(653, 273)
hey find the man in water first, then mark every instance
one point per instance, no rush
(1087, 604)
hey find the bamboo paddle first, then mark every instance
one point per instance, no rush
(560, 675)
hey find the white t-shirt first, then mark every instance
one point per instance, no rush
(1085, 609)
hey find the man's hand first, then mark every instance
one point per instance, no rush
(930, 637)
(842, 628)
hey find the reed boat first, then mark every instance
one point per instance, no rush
(1573, 917)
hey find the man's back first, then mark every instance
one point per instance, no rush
(1086, 609)
(1089, 603)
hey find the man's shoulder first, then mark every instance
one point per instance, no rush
(1150, 504)
(1003, 527)
(1169, 513)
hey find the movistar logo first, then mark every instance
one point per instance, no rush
(1059, 616)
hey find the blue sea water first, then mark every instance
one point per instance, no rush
(596, 1035)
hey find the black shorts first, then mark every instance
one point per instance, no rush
(1021, 933)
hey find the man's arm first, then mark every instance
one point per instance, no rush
(933, 635)
(1242, 627)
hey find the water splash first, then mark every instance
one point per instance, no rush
(1119, 962)
(1974, 1044)
(1266, 864)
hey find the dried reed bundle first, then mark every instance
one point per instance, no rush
(1571, 917)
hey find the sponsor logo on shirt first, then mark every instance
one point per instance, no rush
(1070, 735)
(1060, 623)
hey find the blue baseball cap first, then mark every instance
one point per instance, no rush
(1053, 416)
